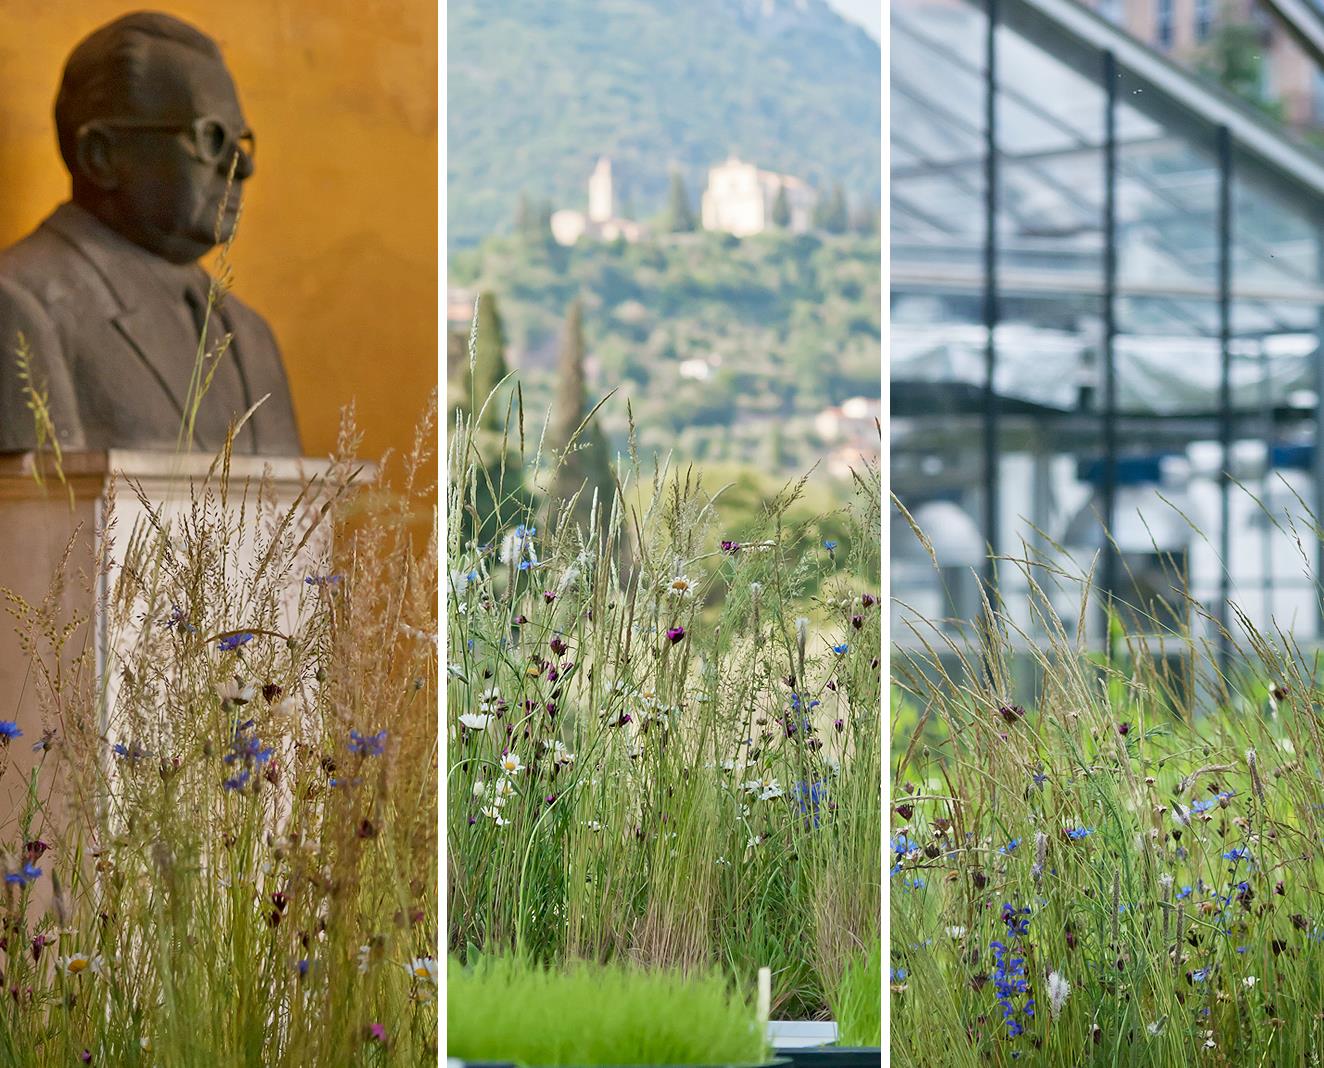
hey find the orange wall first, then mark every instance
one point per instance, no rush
(338, 244)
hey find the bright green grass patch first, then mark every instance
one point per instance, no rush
(503, 1009)
(857, 1002)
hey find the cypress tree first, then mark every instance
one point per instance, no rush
(680, 219)
(524, 221)
(837, 217)
(781, 209)
(866, 218)
(489, 366)
(583, 460)
(500, 496)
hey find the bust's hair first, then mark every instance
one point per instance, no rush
(102, 74)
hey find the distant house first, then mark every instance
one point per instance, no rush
(601, 222)
(854, 420)
(742, 200)
(851, 433)
(460, 305)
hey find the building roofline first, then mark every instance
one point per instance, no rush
(1253, 133)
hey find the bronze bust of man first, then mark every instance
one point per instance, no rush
(107, 292)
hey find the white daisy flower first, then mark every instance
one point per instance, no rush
(503, 789)
(511, 765)
(480, 788)
(237, 692)
(423, 968)
(593, 825)
(475, 721)
(365, 957)
(490, 701)
(493, 812)
(77, 963)
(955, 933)
(1250, 981)
(680, 588)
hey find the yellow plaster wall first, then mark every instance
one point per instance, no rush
(338, 245)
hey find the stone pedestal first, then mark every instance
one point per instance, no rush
(56, 548)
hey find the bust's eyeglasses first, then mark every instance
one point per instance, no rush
(212, 139)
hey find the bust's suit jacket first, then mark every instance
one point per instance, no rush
(113, 334)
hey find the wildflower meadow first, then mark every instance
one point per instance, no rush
(238, 862)
(662, 739)
(1105, 858)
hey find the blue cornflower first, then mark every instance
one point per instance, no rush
(1039, 778)
(371, 745)
(1009, 848)
(1199, 975)
(237, 781)
(132, 752)
(841, 649)
(303, 967)
(1202, 806)
(1011, 916)
(810, 795)
(1241, 853)
(528, 565)
(830, 545)
(899, 975)
(915, 884)
(521, 531)
(234, 641)
(247, 747)
(29, 873)
(901, 845)
(9, 730)
(1077, 833)
(324, 580)
(796, 702)
(246, 750)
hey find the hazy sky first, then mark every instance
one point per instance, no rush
(866, 13)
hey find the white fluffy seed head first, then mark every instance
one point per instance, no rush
(1058, 992)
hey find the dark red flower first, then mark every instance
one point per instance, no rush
(675, 634)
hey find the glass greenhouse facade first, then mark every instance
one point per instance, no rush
(1107, 289)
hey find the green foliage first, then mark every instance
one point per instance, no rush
(226, 877)
(831, 213)
(793, 319)
(857, 1001)
(680, 216)
(1235, 55)
(629, 774)
(1156, 816)
(781, 209)
(583, 463)
(585, 1015)
(483, 392)
(537, 89)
